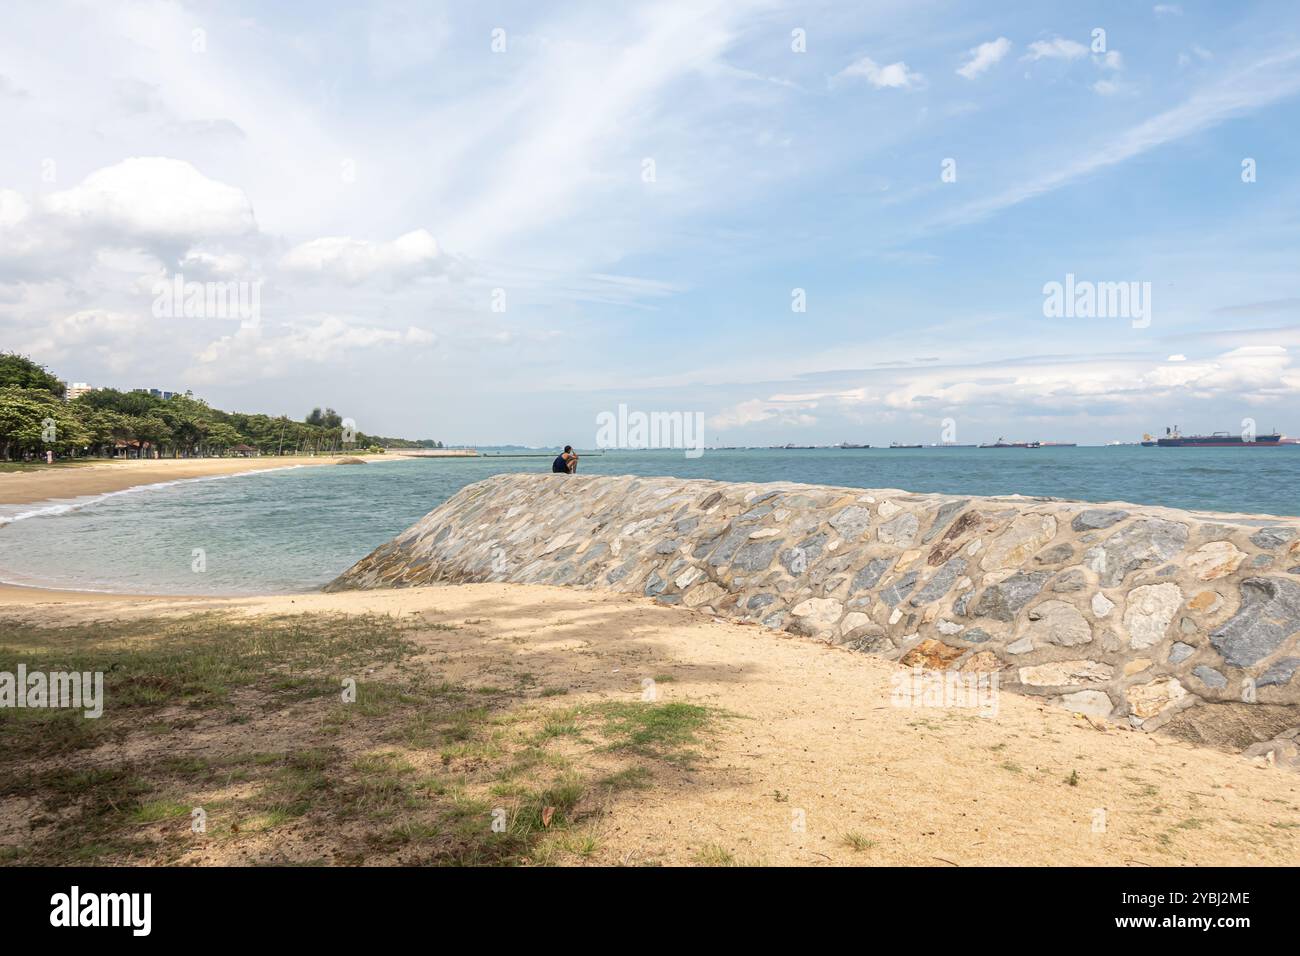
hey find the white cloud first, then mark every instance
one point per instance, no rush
(258, 353)
(1177, 358)
(1169, 9)
(757, 411)
(1107, 87)
(893, 76)
(154, 198)
(984, 56)
(1057, 48)
(1264, 82)
(1111, 60)
(356, 260)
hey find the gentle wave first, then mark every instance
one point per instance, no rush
(58, 506)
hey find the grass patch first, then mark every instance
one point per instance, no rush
(414, 770)
(857, 842)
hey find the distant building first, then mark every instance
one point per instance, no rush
(77, 389)
(156, 392)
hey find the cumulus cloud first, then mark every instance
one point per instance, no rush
(984, 57)
(1057, 48)
(154, 198)
(356, 260)
(105, 336)
(1249, 375)
(894, 76)
(773, 410)
(259, 352)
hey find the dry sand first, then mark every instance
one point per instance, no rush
(815, 740)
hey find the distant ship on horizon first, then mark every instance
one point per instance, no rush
(1174, 439)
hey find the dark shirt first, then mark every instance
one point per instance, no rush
(560, 466)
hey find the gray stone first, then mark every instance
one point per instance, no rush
(757, 555)
(1141, 544)
(754, 515)
(1095, 518)
(851, 522)
(941, 519)
(655, 584)
(1210, 677)
(1180, 652)
(728, 548)
(686, 525)
(668, 598)
(1071, 579)
(1056, 622)
(870, 574)
(1270, 538)
(1261, 560)
(1056, 554)
(901, 530)
(940, 583)
(1269, 614)
(759, 601)
(959, 606)
(667, 546)
(1279, 673)
(893, 593)
(710, 501)
(1001, 601)
(977, 634)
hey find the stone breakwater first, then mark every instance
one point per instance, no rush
(1120, 611)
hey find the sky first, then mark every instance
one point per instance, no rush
(808, 222)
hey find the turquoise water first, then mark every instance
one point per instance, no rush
(295, 529)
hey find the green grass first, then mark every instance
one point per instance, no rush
(857, 842)
(411, 771)
(664, 730)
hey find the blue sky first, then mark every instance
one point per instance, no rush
(388, 179)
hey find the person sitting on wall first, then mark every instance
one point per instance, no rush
(566, 463)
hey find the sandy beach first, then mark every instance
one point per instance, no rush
(27, 487)
(806, 760)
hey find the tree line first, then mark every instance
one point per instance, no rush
(35, 416)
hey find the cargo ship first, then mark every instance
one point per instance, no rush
(895, 444)
(1000, 443)
(1174, 439)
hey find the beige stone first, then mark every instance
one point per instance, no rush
(702, 594)
(818, 616)
(1026, 535)
(1147, 700)
(1217, 559)
(1094, 703)
(852, 621)
(982, 662)
(1136, 666)
(1150, 610)
(1062, 673)
(1205, 601)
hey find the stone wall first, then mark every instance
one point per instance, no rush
(1129, 612)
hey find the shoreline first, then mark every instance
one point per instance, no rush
(60, 485)
(67, 487)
